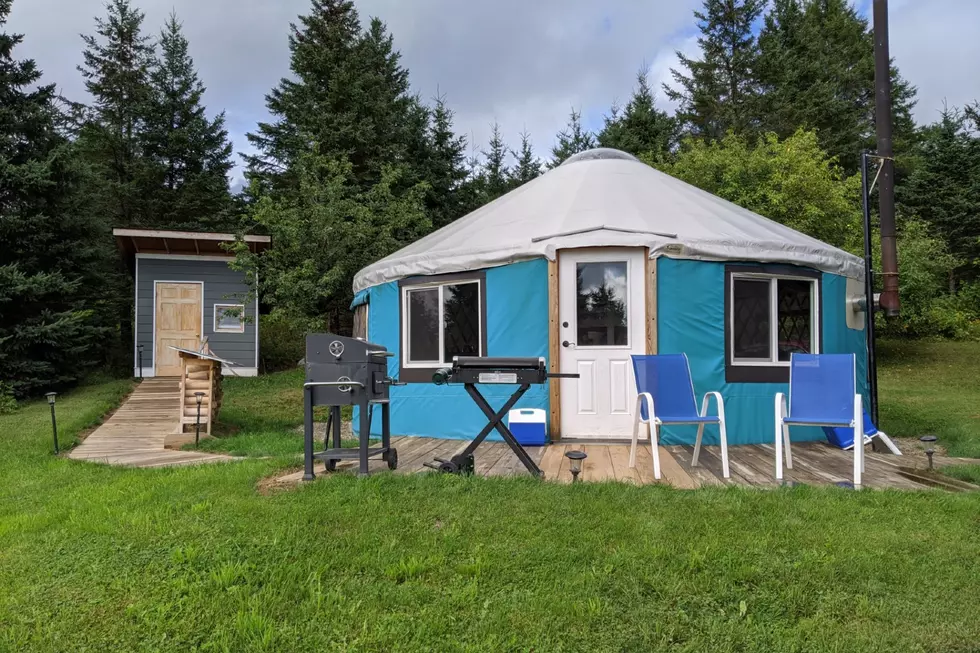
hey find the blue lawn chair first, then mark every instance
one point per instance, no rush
(665, 395)
(822, 392)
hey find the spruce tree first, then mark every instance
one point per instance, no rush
(641, 128)
(944, 188)
(118, 59)
(571, 140)
(816, 71)
(348, 97)
(719, 92)
(52, 317)
(439, 160)
(496, 173)
(527, 166)
(191, 151)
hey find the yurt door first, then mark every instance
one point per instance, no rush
(601, 313)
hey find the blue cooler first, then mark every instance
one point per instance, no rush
(529, 426)
(843, 437)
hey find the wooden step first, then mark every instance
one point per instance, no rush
(193, 420)
(196, 384)
(198, 376)
(189, 393)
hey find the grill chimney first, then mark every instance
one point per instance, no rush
(886, 186)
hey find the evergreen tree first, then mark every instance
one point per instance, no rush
(349, 98)
(440, 161)
(571, 140)
(528, 166)
(719, 92)
(116, 68)
(51, 318)
(641, 128)
(816, 71)
(944, 189)
(495, 172)
(192, 152)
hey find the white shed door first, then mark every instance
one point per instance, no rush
(601, 312)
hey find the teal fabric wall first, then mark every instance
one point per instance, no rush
(517, 325)
(691, 312)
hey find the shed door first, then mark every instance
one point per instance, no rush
(178, 320)
(601, 313)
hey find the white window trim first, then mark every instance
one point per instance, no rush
(773, 317)
(239, 329)
(406, 362)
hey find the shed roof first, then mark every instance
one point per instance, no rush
(159, 241)
(607, 198)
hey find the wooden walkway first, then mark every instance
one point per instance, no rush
(815, 463)
(136, 434)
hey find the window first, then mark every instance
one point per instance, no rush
(440, 320)
(229, 318)
(772, 312)
(602, 313)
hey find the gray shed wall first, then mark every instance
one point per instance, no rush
(222, 285)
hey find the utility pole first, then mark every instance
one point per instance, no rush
(886, 180)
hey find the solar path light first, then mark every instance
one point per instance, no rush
(54, 422)
(929, 440)
(575, 462)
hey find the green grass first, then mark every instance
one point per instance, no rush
(102, 559)
(262, 416)
(933, 388)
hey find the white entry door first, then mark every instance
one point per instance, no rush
(601, 312)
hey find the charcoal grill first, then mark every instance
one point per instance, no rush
(347, 372)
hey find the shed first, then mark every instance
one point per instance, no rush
(598, 259)
(186, 293)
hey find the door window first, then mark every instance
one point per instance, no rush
(602, 310)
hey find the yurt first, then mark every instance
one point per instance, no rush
(599, 259)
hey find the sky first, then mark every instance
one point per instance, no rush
(524, 64)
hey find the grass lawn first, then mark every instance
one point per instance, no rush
(933, 388)
(97, 558)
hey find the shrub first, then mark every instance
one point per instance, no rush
(282, 340)
(8, 403)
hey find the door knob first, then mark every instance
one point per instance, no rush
(565, 343)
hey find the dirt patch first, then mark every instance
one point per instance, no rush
(284, 480)
(320, 430)
(914, 447)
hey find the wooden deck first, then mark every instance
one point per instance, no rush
(135, 435)
(815, 463)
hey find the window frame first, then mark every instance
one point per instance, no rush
(241, 319)
(421, 371)
(772, 370)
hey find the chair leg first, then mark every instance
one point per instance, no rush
(858, 440)
(654, 430)
(636, 435)
(789, 451)
(724, 449)
(778, 431)
(697, 445)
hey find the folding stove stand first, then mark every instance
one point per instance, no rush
(473, 370)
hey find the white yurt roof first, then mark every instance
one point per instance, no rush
(607, 198)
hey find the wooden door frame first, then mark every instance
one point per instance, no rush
(153, 333)
(554, 332)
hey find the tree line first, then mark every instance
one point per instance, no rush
(352, 165)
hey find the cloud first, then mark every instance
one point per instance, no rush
(935, 46)
(523, 64)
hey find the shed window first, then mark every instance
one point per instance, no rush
(229, 318)
(769, 316)
(441, 321)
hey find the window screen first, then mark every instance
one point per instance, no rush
(461, 320)
(751, 338)
(795, 317)
(423, 325)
